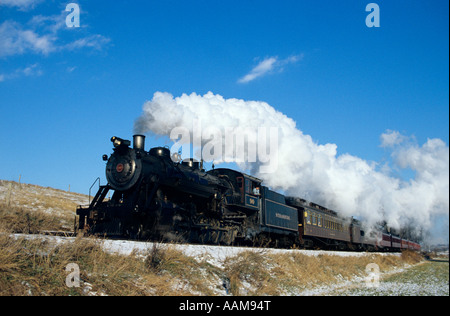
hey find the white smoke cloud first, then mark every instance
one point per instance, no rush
(391, 138)
(269, 65)
(345, 183)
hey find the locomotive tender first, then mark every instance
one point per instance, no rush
(158, 197)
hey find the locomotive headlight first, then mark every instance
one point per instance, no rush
(119, 141)
(119, 167)
(116, 141)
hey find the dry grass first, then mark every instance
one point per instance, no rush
(33, 267)
(298, 272)
(411, 257)
(189, 275)
(253, 273)
(32, 198)
(37, 266)
(22, 220)
(249, 273)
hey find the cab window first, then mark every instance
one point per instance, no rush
(248, 186)
(252, 188)
(240, 182)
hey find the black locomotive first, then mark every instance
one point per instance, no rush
(158, 197)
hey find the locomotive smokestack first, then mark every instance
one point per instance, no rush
(139, 142)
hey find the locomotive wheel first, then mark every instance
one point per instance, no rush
(261, 240)
(203, 236)
(209, 236)
(214, 236)
(226, 238)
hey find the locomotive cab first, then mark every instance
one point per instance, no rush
(251, 192)
(246, 189)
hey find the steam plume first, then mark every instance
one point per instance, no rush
(345, 183)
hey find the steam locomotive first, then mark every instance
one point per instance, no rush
(153, 195)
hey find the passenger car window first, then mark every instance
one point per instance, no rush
(308, 217)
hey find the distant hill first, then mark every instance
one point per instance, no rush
(19, 199)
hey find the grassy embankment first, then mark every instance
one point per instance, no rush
(38, 266)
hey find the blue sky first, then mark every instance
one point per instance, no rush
(65, 91)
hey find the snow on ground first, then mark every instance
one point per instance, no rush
(215, 255)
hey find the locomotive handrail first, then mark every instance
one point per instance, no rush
(98, 179)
